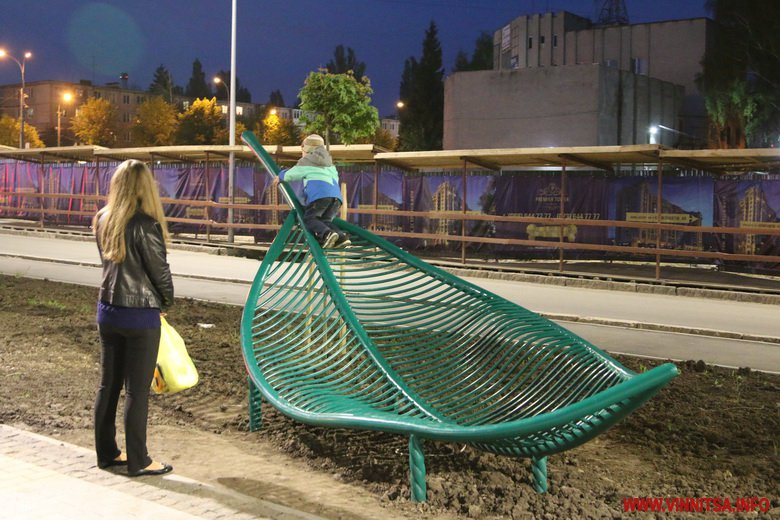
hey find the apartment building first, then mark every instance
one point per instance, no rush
(46, 106)
(44, 99)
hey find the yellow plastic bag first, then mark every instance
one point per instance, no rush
(175, 371)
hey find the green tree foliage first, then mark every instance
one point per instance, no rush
(422, 92)
(275, 100)
(156, 123)
(344, 61)
(162, 84)
(381, 138)
(276, 130)
(200, 123)
(481, 59)
(338, 104)
(9, 133)
(740, 75)
(198, 87)
(222, 133)
(96, 122)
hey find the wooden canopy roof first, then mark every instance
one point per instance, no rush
(600, 157)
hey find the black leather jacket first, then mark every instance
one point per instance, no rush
(143, 279)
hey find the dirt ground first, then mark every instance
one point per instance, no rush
(711, 433)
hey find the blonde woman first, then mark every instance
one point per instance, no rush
(131, 232)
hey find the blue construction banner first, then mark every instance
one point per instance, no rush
(689, 199)
(685, 201)
(747, 204)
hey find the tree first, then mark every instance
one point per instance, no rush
(156, 123)
(422, 91)
(198, 87)
(222, 133)
(481, 59)
(338, 104)
(96, 122)
(344, 62)
(162, 84)
(275, 99)
(242, 94)
(740, 76)
(381, 138)
(200, 123)
(275, 130)
(9, 133)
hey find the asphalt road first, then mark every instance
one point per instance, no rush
(649, 325)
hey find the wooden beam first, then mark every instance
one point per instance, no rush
(488, 165)
(397, 164)
(587, 162)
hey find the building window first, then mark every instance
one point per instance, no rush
(97, 95)
(541, 40)
(530, 42)
(126, 99)
(514, 63)
(639, 66)
(555, 40)
(125, 117)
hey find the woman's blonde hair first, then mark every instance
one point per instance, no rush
(132, 189)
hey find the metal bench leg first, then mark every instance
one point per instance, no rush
(539, 470)
(417, 470)
(255, 414)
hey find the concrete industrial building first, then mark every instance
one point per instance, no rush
(558, 80)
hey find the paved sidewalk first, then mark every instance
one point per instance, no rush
(47, 479)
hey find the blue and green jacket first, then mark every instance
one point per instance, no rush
(320, 177)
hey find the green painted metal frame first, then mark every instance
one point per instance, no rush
(374, 338)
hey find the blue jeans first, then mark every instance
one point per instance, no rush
(319, 214)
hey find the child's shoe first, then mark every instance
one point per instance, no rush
(329, 240)
(343, 241)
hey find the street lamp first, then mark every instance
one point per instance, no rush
(25, 57)
(67, 97)
(653, 130)
(218, 81)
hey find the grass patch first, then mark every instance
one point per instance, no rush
(49, 304)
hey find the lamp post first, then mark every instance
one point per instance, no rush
(653, 131)
(232, 120)
(67, 97)
(655, 134)
(231, 157)
(218, 81)
(27, 55)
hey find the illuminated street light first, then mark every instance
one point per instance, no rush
(400, 104)
(218, 81)
(653, 133)
(67, 97)
(27, 56)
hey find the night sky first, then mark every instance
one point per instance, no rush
(278, 41)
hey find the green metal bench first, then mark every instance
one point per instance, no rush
(371, 337)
